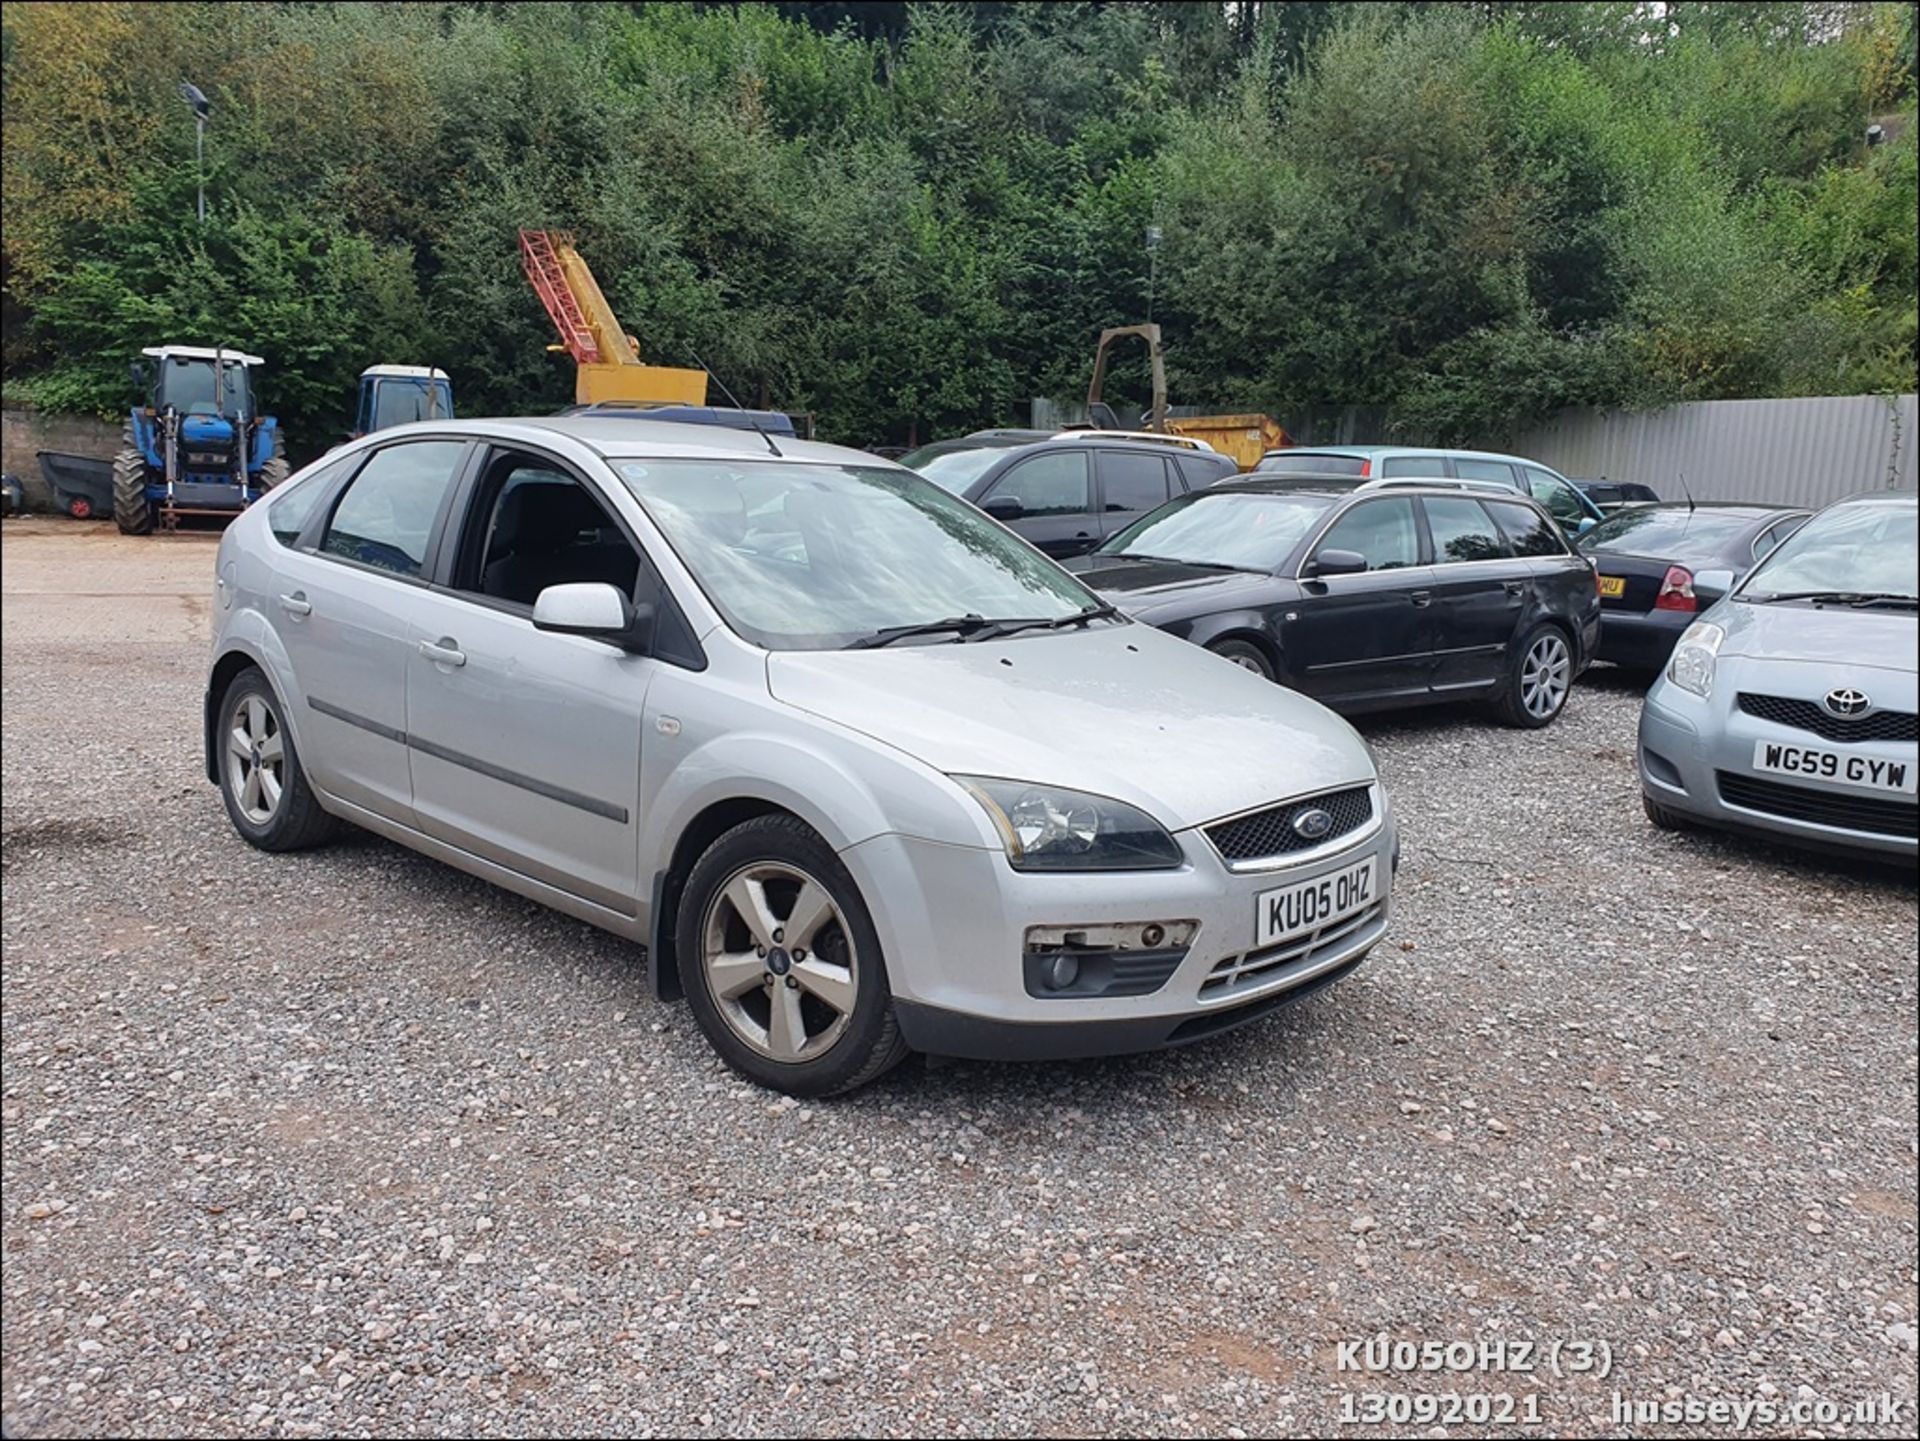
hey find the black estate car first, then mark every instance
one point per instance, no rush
(1068, 492)
(1365, 595)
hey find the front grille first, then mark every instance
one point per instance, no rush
(1826, 808)
(1270, 832)
(1806, 715)
(1257, 968)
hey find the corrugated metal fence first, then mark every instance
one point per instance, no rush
(1788, 452)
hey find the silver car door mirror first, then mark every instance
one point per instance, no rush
(594, 608)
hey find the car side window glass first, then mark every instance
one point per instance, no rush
(1527, 529)
(544, 527)
(293, 505)
(1463, 531)
(1395, 467)
(1055, 483)
(1132, 482)
(1200, 471)
(385, 517)
(1470, 469)
(1381, 530)
(1558, 497)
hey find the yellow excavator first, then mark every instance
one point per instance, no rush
(1243, 437)
(609, 370)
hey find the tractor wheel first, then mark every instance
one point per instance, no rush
(132, 511)
(276, 469)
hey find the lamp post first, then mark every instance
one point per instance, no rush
(1153, 265)
(202, 108)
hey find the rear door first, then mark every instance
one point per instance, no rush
(1479, 592)
(342, 607)
(1366, 639)
(1132, 482)
(1054, 491)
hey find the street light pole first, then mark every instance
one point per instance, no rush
(1153, 265)
(202, 108)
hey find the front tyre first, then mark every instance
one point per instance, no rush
(1244, 654)
(268, 798)
(781, 965)
(1539, 679)
(132, 511)
(276, 469)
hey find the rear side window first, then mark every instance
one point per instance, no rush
(1530, 532)
(1470, 469)
(1130, 482)
(1200, 471)
(1398, 466)
(1462, 531)
(1381, 530)
(386, 516)
(1053, 483)
(291, 506)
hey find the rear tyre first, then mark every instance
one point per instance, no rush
(781, 965)
(1539, 679)
(261, 780)
(276, 469)
(1244, 654)
(132, 511)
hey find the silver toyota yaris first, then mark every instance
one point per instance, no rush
(1791, 707)
(862, 770)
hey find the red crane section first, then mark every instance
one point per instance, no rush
(542, 264)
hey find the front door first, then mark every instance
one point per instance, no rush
(340, 608)
(1365, 639)
(526, 745)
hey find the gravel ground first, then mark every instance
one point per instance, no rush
(347, 1143)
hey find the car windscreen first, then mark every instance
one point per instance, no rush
(1311, 463)
(1869, 549)
(799, 556)
(1247, 530)
(187, 385)
(400, 399)
(1666, 534)
(954, 470)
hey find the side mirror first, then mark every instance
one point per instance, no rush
(1337, 562)
(594, 608)
(1005, 507)
(1587, 523)
(1710, 586)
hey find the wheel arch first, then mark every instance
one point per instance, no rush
(1246, 626)
(236, 655)
(669, 883)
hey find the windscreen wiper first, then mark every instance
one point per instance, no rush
(1855, 598)
(961, 625)
(1170, 560)
(998, 628)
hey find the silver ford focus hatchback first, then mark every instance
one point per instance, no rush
(864, 772)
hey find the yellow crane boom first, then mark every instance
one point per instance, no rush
(606, 359)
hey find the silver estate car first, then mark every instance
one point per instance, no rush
(1790, 708)
(862, 770)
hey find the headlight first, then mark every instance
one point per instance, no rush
(1045, 828)
(1693, 658)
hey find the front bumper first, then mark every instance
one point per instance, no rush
(1687, 744)
(953, 921)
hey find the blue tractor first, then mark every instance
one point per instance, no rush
(198, 446)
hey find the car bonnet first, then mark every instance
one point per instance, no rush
(1831, 635)
(1120, 711)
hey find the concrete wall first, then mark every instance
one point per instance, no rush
(24, 433)
(1788, 452)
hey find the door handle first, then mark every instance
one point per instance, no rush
(296, 604)
(1421, 597)
(444, 652)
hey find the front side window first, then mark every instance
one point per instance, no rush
(1463, 531)
(386, 516)
(1530, 532)
(799, 556)
(1232, 529)
(1051, 484)
(1381, 530)
(542, 527)
(1132, 482)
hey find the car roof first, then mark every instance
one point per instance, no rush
(1435, 450)
(628, 437)
(1335, 486)
(1904, 498)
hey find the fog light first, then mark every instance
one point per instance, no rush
(1062, 971)
(1152, 935)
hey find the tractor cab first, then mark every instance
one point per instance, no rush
(191, 381)
(397, 394)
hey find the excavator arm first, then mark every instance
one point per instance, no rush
(607, 359)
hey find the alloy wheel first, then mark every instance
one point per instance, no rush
(256, 760)
(1545, 676)
(779, 963)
